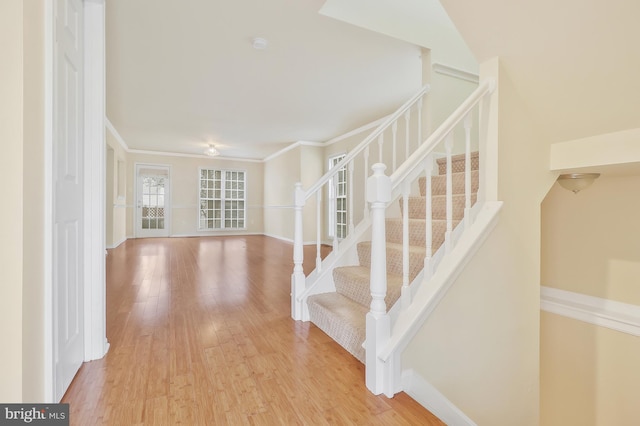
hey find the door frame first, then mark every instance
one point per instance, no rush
(167, 201)
(94, 302)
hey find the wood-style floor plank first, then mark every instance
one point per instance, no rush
(201, 334)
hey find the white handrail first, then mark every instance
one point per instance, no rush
(365, 143)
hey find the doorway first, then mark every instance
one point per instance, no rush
(153, 200)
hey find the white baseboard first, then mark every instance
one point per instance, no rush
(430, 398)
(289, 240)
(214, 234)
(116, 244)
(607, 313)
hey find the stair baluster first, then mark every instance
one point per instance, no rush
(467, 171)
(449, 202)
(428, 238)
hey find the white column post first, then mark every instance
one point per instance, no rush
(378, 323)
(297, 278)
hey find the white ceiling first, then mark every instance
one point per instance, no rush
(182, 74)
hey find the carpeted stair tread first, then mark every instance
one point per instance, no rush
(342, 319)
(394, 258)
(354, 283)
(417, 231)
(439, 183)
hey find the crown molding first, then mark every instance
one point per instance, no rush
(115, 133)
(456, 73)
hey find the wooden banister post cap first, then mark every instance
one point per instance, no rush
(378, 185)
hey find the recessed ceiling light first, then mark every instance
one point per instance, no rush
(259, 43)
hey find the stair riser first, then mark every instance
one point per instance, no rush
(358, 288)
(416, 232)
(439, 184)
(394, 259)
(457, 163)
(348, 335)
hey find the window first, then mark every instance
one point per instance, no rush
(338, 200)
(222, 199)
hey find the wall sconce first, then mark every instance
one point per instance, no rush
(211, 151)
(576, 182)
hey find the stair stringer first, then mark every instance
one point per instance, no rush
(321, 280)
(430, 292)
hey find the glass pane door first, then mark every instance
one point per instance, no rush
(152, 201)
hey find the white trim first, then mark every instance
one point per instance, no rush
(117, 244)
(49, 374)
(430, 398)
(456, 73)
(290, 147)
(95, 319)
(116, 134)
(354, 132)
(167, 198)
(202, 156)
(230, 233)
(618, 316)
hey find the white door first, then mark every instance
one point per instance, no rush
(152, 201)
(68, 200)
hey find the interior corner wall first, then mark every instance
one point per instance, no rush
(11, 217)
(480, 347)
(33, 321)
(280, 175)
(590, 245)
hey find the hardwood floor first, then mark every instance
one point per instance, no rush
(201, 334)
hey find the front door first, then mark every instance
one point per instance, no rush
(152, 201)
(68, 198)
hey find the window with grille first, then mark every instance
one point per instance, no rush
(338, 200)
(222, 199)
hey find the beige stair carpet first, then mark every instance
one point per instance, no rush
(342, 314)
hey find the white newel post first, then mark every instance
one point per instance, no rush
(297, 278)
(378, 321)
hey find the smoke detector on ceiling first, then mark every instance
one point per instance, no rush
(259, 43)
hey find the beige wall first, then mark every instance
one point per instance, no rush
(590, 245)
(280, 174)
(480, 348)
(304, 164)
(591, 240)
(33, 181)
(184, 192)
(11, 219)
(589, 375)
(118, 175)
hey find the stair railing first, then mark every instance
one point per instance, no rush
(382, 374)
(405, 124)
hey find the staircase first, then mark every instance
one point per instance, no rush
(341, 314)
(410, 233)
